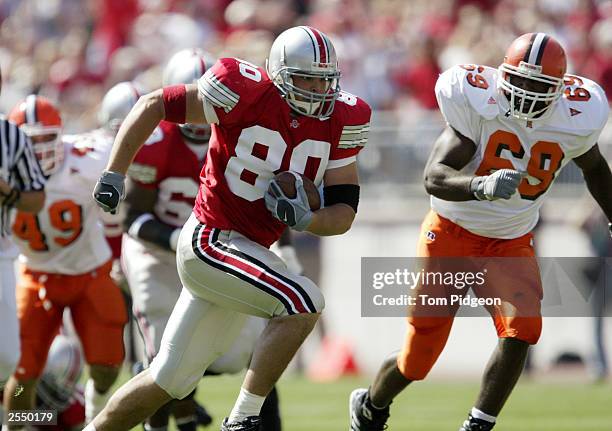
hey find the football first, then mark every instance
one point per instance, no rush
(286, 181)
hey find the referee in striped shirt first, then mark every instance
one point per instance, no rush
(21, 186)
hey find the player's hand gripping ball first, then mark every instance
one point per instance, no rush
(292, 198)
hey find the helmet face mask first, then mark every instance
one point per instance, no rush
(196, 133)
(47, 146)
(299, 55)
(40, 120)
(531, 76)
(526, 104)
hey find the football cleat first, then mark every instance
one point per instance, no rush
(251, 423)
(363, 417)
(473, 424)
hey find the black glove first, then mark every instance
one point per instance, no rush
(109, 191)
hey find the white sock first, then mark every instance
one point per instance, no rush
(90, 427)
(94, 401)
(246, 405)
(479, 414)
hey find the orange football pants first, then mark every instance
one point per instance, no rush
(516, 282)
(97, 308)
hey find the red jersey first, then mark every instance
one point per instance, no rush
(256, 136)
(168, 164)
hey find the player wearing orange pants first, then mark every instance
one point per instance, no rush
(426, 335)
(66, 259)
(510, 130)
(96, 307)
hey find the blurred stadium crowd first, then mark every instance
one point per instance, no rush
(390, 51)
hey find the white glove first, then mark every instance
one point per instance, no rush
(501, 184)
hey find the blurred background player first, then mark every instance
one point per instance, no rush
(513, 129)
(59, 388)
(21, 187)
(162, 187)
(66, 260)
(222, 256)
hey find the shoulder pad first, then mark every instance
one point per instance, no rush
(352, 114)
(583, 108)
(470, 85)
(230, 81)
(88, 153)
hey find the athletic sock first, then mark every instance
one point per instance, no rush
(94, 401)
(247, 404)
(479, 414)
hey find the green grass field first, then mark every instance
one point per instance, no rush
(428, 406)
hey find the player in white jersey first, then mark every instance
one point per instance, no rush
(161, 194)
(66, 260)
(510, 131)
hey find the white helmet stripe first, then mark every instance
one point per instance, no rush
(30, 111)
(536, 47)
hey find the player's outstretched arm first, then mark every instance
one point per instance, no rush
(341, 206)
(179, 104)
(598, 178)
(163, 104)
(442, 176)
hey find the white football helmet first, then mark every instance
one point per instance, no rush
(305, 52)
(186, 67)
(117, 103)
(61, 374)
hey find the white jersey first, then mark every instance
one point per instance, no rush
(471, 103)
(67, 236)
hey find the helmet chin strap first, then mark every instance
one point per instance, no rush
(307, 107)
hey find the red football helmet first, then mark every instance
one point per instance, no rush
(531, 75)
(41, 121)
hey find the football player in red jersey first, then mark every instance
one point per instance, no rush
(510, 131)
(291, 116)
(162, 188)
